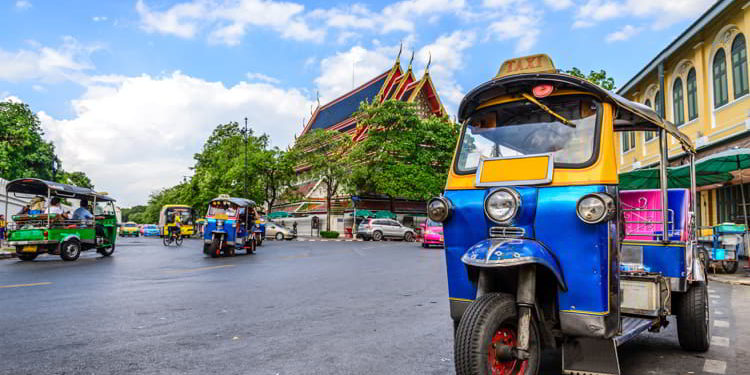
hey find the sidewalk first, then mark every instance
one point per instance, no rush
(321, 239)
(7, 252)
(739, 278)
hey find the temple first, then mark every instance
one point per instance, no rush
(393, 84)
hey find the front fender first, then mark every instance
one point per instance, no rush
(493, 253)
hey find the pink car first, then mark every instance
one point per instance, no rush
(432, 233)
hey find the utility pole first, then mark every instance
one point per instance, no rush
(244, 172)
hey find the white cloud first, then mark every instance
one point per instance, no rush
(346, 70)
(558, 4)
(66, 62)
(23, 4)
(447, 53)
(99, 18)
(38, 88)
(228, 21)
(261, 77)
(661, 14)
(627, 32)
(520, 26)
(11, 99)
(133, 135)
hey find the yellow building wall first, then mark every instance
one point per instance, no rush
(712, 124)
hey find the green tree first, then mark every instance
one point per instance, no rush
(75, 178)
(276, 171)
(323, 154)
(134, 214)
(599, 78)
(403, 155)
(23, 151)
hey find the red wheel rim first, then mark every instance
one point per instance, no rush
(505, 336)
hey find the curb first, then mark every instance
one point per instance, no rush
(7, 255)
(328, 240)
(730, 280)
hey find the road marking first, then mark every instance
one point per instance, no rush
(199, 269)
(719, 312)
(713, 296)
(714, 366)
(22, 285)
(721, 323)
(719, 341)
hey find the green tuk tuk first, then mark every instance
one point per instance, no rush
(33, 232)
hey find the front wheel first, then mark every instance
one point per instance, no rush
(377, 235)
(107, 251)
(178, 241)
(693, 319)
(729, 267)
(409, 237)
(490, 324)
(167, 240)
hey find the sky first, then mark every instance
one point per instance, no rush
(129, 90)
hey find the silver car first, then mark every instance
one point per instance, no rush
(378, 229)
(279, 232)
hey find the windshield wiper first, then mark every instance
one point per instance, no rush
(546, 109)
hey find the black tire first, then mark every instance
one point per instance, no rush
(425, 245)
(178, 241)
(27, 257)
(409, 237)
(729, 267)
(107, 251)
(483, 320)
(693, 319)
(279, 236)
(259, 241)
(213, 249)
(70, 250)
(167, 240)
(377, 235)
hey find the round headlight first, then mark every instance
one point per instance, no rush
(439, 209)
(595, 208)
(502, 205)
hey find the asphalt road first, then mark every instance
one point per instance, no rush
(291, 308)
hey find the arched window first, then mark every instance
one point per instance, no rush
(649, 135)
(721, 95)
(739, 66)
(692, 95)
(678, 104)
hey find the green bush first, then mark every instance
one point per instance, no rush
(329, 234)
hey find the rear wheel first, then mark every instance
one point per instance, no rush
(27, 257)
(279, 236)
(729, 267)
(214, 250)
(167, 240)
(178, 240)
(377, 235)
(70, 250)
(693, 319)
(488, 326)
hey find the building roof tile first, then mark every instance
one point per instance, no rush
(341, 110)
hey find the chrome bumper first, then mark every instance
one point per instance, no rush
(42, 242)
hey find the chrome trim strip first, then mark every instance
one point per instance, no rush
(507, 232)
(44, 242)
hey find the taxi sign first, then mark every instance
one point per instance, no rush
(540, 63)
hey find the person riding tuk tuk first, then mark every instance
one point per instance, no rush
(53, 231)
(543, 250)
(229, 226)
(186, 215)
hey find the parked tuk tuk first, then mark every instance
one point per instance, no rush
(543, 250)
(723, 249)
(40, 231)
(230, 224)
(187, 219)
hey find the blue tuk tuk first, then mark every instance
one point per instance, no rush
(543, 250)
(229, 226)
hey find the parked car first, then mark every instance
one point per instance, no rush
(432, 233)
(151, 230)
(279, 232)
(378, 229)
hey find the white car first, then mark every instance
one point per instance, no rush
(279, 232)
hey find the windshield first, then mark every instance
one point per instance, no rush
(431, 223)
(522, 128)
(222, 208)
(186, 216)
(130, 225)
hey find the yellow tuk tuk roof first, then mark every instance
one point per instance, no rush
(631, 116)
